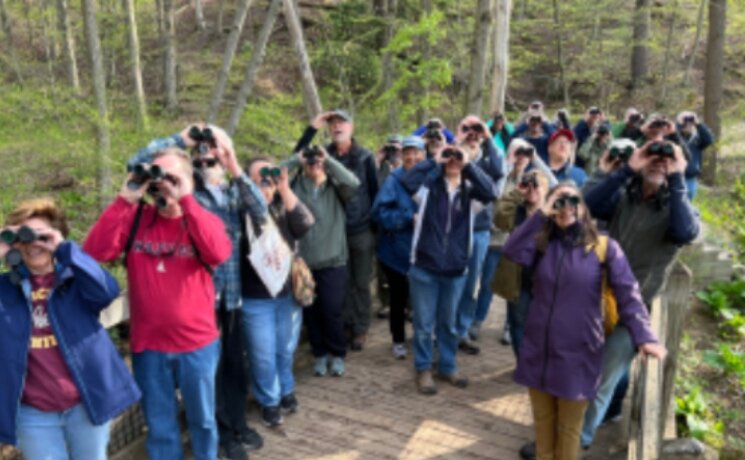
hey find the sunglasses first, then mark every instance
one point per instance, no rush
(476, 128)
(267, 171)
(566, 200)
(529, 181)
(524, 152)
(453, 153)
(206, 163)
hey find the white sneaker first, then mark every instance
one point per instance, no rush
(399, 350)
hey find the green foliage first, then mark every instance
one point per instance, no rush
(700, 420)
(726, 301)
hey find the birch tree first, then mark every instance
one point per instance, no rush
(169, 42)
(714, 78)
(479, 48)
(136, 68)
(310, 91)
(68, 45)
(501, 49)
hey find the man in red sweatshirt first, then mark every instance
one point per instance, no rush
(174, 338)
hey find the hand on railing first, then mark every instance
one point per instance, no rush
(652, 349)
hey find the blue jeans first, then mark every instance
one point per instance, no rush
(618, 352)
(692, 186)
(271, 329)
(467, 303)
(434, 299)
(517, 313)
(60, 435)
(483, 301)
(158, 375)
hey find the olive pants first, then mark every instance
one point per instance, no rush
(558, 424)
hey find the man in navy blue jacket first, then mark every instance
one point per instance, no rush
(698, 137)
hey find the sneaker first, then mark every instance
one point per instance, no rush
(475, 331)
(399, 351)
(321, 367)
(271, 416)
(527, 451)
(358, 342)
(232, 450)
(251, 439)
(455, 379)
(384, 312)
(425, 384)
(288, 403)
(468, 347)
(506, 338)
(337, 366)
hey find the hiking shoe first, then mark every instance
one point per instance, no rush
(337, 366)
(232, 450)
(527, 451)
(358, 342)
(288, 403)
(474, 331)
(399, 351)
(321, 367)
(425, 384)
(506, 338)
(455, 379)
(271, 416)
(468, 347)
(384, 312)
(251, 439)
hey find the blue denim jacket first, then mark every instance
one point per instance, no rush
(241, 196)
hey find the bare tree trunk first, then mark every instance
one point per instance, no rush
(134, 53)
(8, 32)
(696, 41)
(310, 92)
(227, 60)
(523, 10)
(668, 51)
(160, 17)
(48, 46)
(29, 25)
(640, 51)
(501, 55)
(390, 30)
(199, 15)
(714, 78)
(99, 90)
(560, 54)
(254, 64)
(169, 40)
(220, 16)
(479, 47)
(68, 40)
(423, 110)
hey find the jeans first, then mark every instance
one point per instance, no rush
(271, 329)
(434, 299)
(692, 186)
(324, 317)
(517, 313)
(398, 287)
(158, 375)
(231, 380)
(60, 435)
(358, 300)
(618, 353)
(467, 304)
(483, 301)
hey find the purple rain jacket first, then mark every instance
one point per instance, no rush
(562, 350)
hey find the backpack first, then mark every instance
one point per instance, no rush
(608, 302)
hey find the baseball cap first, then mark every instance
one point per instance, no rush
(561, 133)
(338, 113)
(413, 141)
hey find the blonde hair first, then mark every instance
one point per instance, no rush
(180, 155)
(40, 208)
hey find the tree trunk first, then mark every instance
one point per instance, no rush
(423, 110)
(99, 90)
(48, 44)
(479, 47)
(29, 25)
(8, 32)
(560, 54)
(68, 40)
(160, 18)
(390, 30)
(640, 51)
(227, 60)
(220, 17)
(714, 78)
(668, 50)
(169, 41)
(310, 92)
(696, 41)
(501, 46)
(257, 57)
(134, 53)
(199, 15)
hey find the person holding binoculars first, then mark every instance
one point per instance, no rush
(62, 377)
(697, 137)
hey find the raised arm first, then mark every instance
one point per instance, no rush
(482, 187)
(684, 225)
(207, 232)
(602, 192)
(521, 246)
(108, 236)
(389, 211)
(97, 286)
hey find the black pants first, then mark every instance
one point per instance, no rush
(232, 379)
(324, 317)
(398, 291)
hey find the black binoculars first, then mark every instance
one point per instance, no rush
(266, 171)
(603, 130)
(452, 153)
(689, 119)
(205, 139)
(635, 118)
(622, 154)
(594, 111)
(311, 154)
(142, 173)
(663, 149)
(524, 152)
(566, 200)
(390, 151)
(23, 235)
(535, 120)
(658, 124)
(529, 181)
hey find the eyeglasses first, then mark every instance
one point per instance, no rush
(524, 152)
(476, 128)
(452, 153)
(207, 162)
(566, 200)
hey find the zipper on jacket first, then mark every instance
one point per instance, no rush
(551, 316)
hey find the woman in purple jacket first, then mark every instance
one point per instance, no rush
(561, 355)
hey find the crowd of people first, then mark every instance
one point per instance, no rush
(575, 228)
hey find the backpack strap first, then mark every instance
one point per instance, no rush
(133, 230)
(601, 248)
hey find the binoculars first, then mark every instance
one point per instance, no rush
(23, 235)
(141, 173)
(603, 130)
(205, 139)
(266, 171)
(452, 153)
(566, 200)
(635, 119)
(311, 154)
(535, 120)
(623, 154)
(658, 124)
(689, 119)
(663, 149)
(594, 111)
(390, 151)
(524, 152)
(529, 181)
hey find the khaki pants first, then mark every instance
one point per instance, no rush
(558, 424)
